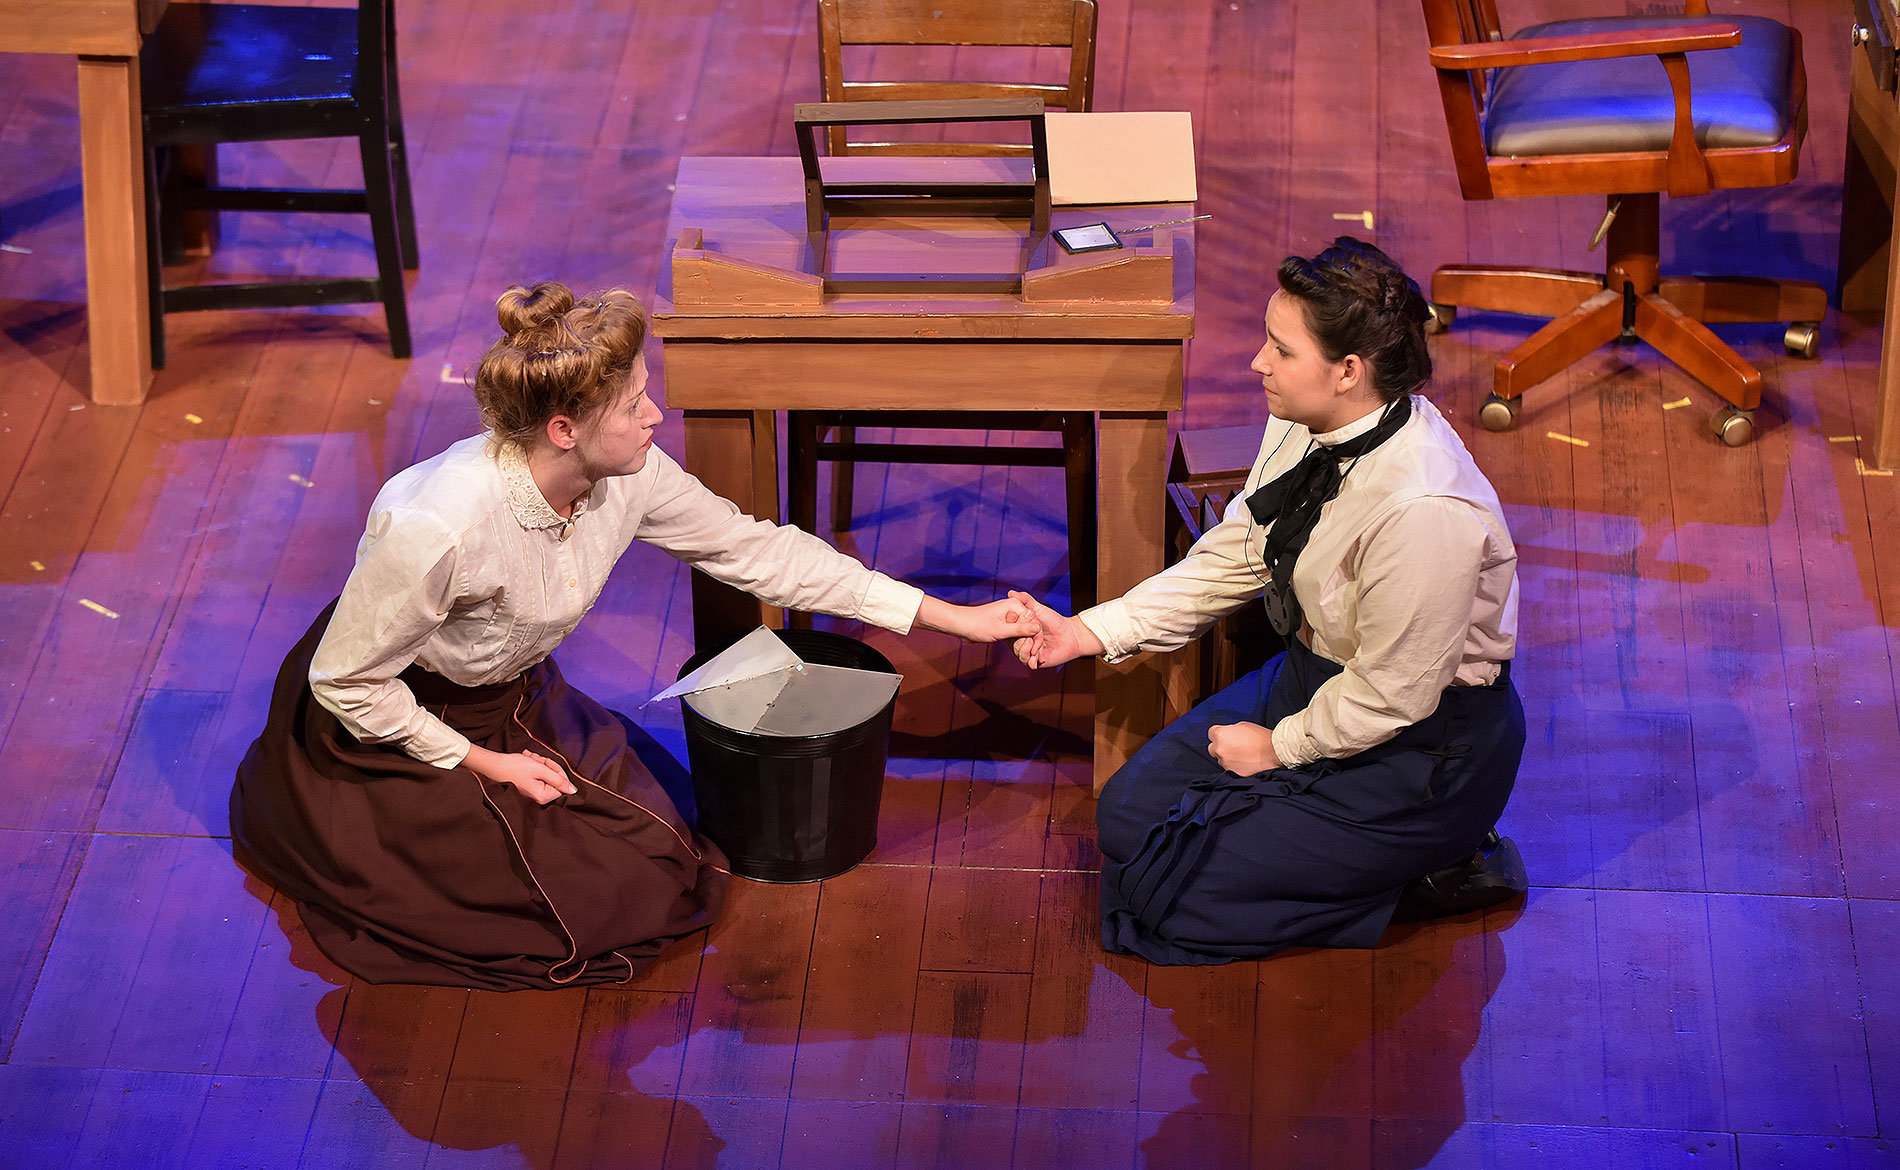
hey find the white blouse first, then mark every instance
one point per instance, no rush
(465, 569)
(1409, 579)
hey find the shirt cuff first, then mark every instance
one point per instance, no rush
(1114, 628)
(890, 603)
(444, 748)
(1292, 744)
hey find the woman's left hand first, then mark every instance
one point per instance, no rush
(1245, 749)
(997, 621)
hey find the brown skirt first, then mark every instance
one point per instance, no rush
(408, 873)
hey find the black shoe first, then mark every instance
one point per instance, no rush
(1490, 877)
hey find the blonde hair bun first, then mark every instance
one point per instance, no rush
(557, 356)
(532, 310)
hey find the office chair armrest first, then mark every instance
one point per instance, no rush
(1688, 167)
(1687, 38)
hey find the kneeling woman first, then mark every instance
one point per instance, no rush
(441, 804)
(1294, 807)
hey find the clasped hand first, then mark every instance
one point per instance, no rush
(1245, 749)
(997, 621)
(1053, 638)
(537, 777)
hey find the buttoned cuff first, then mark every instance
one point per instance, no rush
(1114, 628)
(1291, 743)
(890, 603)
(441, 746)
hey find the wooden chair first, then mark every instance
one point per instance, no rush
(215, 73)
(1208, 470)
(1626, 107)
(842, 24)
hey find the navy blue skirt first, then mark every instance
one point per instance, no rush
(1203, 866)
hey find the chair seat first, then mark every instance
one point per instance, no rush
(221, 72)
(1738, 96)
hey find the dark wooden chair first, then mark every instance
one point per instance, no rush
(1208, 469)
(858, 24)
(1628, 107)
(215, 73)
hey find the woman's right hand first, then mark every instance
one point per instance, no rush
(537, 777)
(1058, 639)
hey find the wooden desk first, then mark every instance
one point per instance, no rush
(743, 342)
(104, 35)
(1869, 264)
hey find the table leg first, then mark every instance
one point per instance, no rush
(112, 177)
(1131, 477)
(1887, 389)
(1866, 195)
(735, 453)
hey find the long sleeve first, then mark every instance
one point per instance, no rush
(1221, 573)
(779, 564)
(1418, 569)
(399, 594)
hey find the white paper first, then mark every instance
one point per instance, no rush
(822, 700)
(758, 653)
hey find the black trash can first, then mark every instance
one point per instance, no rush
(792, 808)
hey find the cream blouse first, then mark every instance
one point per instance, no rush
(1409, 580)
(465, 569)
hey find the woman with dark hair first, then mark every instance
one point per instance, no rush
(1296, 806)
(442, 805)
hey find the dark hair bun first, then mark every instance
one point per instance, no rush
(1357, 300)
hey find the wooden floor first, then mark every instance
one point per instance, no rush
(1705, 973)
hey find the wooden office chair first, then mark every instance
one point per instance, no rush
(843, 24)
(1627, 107)
(216, 73)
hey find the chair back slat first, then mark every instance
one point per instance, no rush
(957, 22)
(944, 24)
(930, 91)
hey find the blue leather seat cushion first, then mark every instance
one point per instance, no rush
(1738, 96)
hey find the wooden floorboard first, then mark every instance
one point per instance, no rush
(1709, 660)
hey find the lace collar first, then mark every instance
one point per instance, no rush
(531, 508)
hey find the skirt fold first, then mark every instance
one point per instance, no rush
(1203, 866)
(409, 873)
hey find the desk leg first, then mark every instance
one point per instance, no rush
(112, 178)
(735, 453)
(1866, 195)
(1887, 389)
(1131, 498)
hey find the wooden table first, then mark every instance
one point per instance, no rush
(1870, 265)
(104, 35)
(748, 332)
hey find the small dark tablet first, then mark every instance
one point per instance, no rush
(1090, 237)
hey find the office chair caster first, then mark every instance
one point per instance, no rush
(1440, 317)
(1498, 414)
(1803, 338)
(1733, 425)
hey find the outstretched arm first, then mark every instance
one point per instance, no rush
(1005, 618)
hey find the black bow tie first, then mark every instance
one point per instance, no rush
(1289, 507)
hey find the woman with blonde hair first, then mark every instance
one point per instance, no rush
(442, 805)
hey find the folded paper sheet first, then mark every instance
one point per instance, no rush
(769, 690)
(758, 653)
